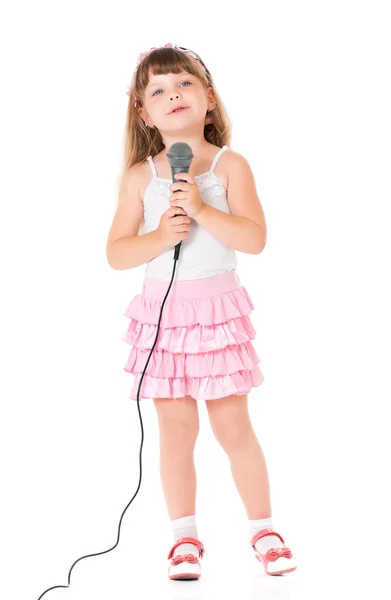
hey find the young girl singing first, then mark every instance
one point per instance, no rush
(204, 349)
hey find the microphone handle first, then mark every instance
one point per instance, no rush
(174, 171)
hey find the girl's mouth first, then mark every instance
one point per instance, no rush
(178, 110)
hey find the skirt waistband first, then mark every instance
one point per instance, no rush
(193, 288)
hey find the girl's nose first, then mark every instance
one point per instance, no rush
(174, 95)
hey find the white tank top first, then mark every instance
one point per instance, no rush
(201, 254)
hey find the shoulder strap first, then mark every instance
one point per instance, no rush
(216, 158)
(152, 165)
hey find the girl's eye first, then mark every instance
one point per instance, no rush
(159, 90)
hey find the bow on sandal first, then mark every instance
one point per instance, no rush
(185, 566)
(276, 561)
(180, 558)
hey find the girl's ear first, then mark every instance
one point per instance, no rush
(211, 99)
(144, 115)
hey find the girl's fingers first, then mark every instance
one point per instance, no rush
(177, 209)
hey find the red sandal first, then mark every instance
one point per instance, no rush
(276, 561)
(185, 566)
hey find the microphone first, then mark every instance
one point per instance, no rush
(179, 156)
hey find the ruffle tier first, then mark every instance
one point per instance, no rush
(227, 361)
(209, 310)
(200, 388)
(192, 339)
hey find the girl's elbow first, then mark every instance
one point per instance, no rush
(259, 246)
(258, 239)
(262, 241)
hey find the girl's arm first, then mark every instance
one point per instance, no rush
(125, 249)
(244, 229)
(133, 251)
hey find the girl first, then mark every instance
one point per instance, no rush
(204, 349)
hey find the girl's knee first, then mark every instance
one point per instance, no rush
(230, 421)
(178, 419)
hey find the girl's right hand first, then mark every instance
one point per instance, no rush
(171, 229)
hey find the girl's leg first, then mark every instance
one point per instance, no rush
(178, 428)
(231, 425)
(233, 430)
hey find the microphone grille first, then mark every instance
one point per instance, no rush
(180, 155)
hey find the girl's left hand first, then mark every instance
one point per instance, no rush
(188, 197)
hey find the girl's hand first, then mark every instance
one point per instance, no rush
(171, 229)
(188, 197)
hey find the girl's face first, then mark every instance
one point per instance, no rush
(166, 92)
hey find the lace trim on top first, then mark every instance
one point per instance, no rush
(200, 177)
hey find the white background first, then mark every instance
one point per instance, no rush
(306, 85)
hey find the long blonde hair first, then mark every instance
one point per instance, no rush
(140, 141)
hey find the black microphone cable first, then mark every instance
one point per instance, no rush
(176, 256)
(179, 156)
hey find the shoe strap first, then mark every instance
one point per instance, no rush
(187, 540)
(263, 533)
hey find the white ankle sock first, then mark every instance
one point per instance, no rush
(265, 543)
(185, 527)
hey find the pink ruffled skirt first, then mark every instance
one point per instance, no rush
(204, 347)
